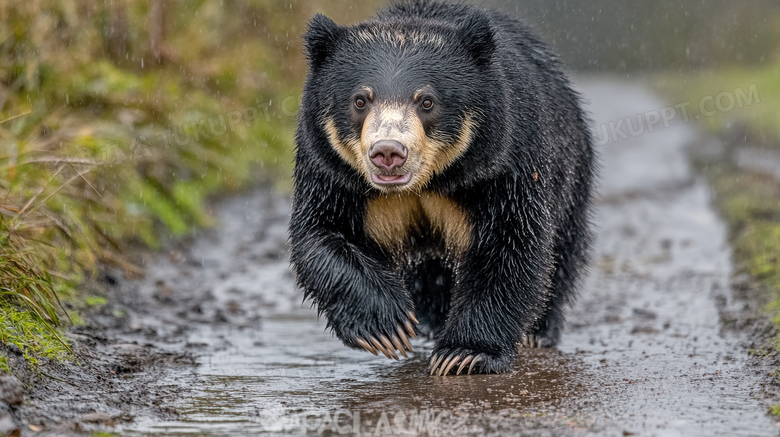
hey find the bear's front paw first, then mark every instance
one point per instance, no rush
(443, 361)
(386, 341)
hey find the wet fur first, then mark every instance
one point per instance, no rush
(490, 244)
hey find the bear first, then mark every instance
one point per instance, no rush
(442, 185)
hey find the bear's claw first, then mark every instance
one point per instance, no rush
(441, 366)
(410, 328)
(399, 346)
(379, 347)
(463, 364)
(530, 342)
(389, 345)
(535, 342)
(364, 344)
(404, 338)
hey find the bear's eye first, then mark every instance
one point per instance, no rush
(360, 103)
(427, 104)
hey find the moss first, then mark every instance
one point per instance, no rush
(5, 365)
(24, 330)
(94, 301)
(759, 246)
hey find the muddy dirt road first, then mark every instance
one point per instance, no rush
(644, 352)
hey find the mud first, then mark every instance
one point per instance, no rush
(215, 341)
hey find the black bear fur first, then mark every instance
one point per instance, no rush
(521, 184)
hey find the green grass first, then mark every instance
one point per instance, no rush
(28, 303)
(761, 118)
(89, 169)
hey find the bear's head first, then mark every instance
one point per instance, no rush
(400, 101)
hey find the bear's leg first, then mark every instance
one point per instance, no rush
(571, 262)
(502, 281)
(547, 332)
(353, 284)
(429, 283)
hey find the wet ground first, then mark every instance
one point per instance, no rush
(644, 353)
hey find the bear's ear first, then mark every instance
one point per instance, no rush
(320, 39)
(479, 38)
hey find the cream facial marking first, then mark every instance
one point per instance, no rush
(392, 150)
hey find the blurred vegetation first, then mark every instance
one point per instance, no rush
(748, 201)
(760, 120)
(618, 36)
(119, 120)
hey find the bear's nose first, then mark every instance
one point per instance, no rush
(388, 154)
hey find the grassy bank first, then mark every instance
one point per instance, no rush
(118, 121)
(748, 200)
